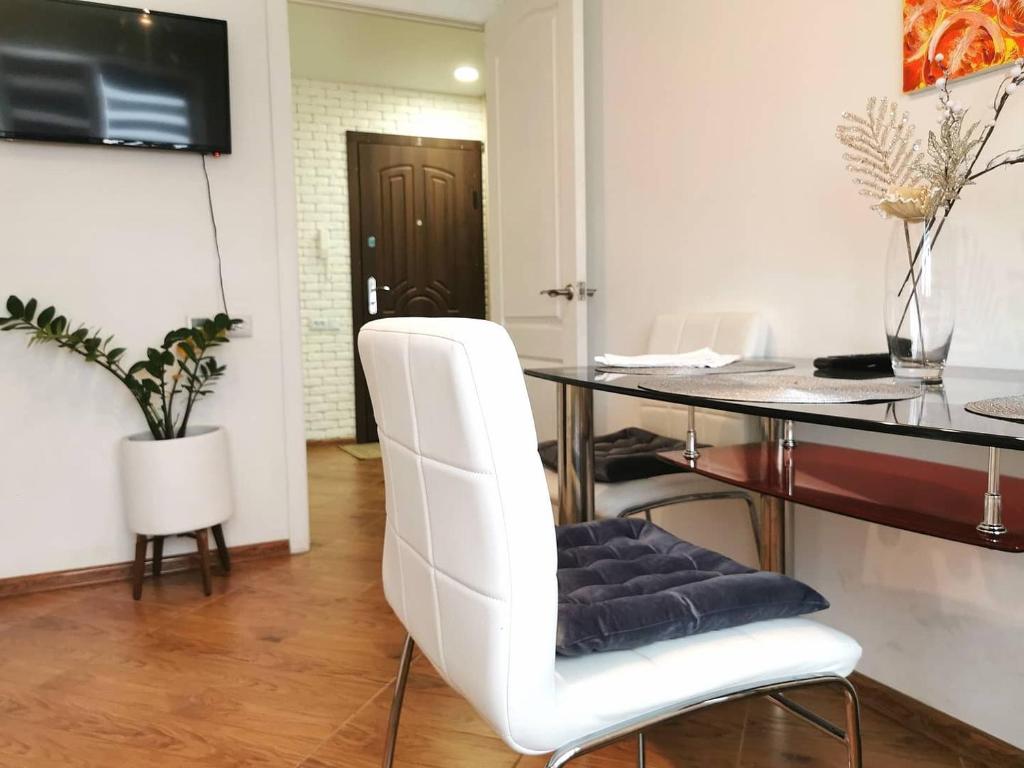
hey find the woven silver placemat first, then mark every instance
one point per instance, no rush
(1008, 408)
(784, 388)
(740, 366)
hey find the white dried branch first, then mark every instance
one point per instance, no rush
(883, 153)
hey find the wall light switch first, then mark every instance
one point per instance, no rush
(324, 324)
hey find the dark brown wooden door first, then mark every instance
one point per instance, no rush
(417, 235)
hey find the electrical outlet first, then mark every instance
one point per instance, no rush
(242, 330)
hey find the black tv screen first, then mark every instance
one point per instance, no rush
(101, 74)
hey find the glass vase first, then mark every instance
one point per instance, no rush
(920, 296)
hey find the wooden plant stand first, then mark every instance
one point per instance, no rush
(203, 546)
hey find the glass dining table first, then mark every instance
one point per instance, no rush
(979, 508)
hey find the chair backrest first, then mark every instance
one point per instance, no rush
(469, 553)
(735, 333)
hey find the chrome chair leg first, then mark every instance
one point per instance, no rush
(686, 498)
(396, 702)
(641, 755)
(775, 693)
(853, 743)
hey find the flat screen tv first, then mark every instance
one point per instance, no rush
(101, 74)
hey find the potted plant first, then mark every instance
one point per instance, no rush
(176, 476)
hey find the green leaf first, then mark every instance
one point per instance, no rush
(30, 309)
(114, 354)
(46, 317)
(79, 336)
(58, 325)
(15, 307)
(167, 358)
(179, 334)
(139, 366)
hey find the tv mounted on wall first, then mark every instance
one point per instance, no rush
(84, 72)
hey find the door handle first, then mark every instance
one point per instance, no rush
(371, 295)
(569, 292)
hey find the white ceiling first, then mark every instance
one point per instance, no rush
(378, 48)
(474, 12)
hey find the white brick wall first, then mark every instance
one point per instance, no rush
(324, 111)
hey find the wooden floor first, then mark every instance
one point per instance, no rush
(290, 663)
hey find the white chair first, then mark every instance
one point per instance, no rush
(736, 333)
(469, 566)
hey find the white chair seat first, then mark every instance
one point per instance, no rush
(611, 499)
(600, 690)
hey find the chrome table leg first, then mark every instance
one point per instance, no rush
(396, 702)
(562, 408)
(641, 752)
(993, 525)
(691, 452)
(773, 510)
(788, 441)
(578, 504)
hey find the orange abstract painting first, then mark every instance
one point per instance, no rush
(971, 35)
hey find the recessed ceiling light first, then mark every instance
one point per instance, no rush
(467, 74)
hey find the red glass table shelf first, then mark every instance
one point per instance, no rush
(921, 496)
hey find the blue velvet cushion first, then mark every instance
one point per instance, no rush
(624, 583)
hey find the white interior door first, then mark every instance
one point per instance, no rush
(537, 186)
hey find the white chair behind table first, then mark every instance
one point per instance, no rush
(469, 564)
(737, 333)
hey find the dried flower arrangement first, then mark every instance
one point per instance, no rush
(906, 183)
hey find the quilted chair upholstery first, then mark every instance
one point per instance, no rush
(624, 583)
(469, 562)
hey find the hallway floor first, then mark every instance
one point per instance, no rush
(291, 662)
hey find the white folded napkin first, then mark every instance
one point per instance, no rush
(700, 358)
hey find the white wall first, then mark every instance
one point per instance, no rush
(121, 238)
(716, 183)
(324, 111)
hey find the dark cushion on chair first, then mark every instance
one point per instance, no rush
(629, 454)
(624, 583)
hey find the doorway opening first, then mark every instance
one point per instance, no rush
(355, 70)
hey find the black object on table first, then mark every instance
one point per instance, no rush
(860, 366)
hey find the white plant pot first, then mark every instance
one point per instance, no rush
(174, 486)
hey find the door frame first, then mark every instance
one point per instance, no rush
(353, 140)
